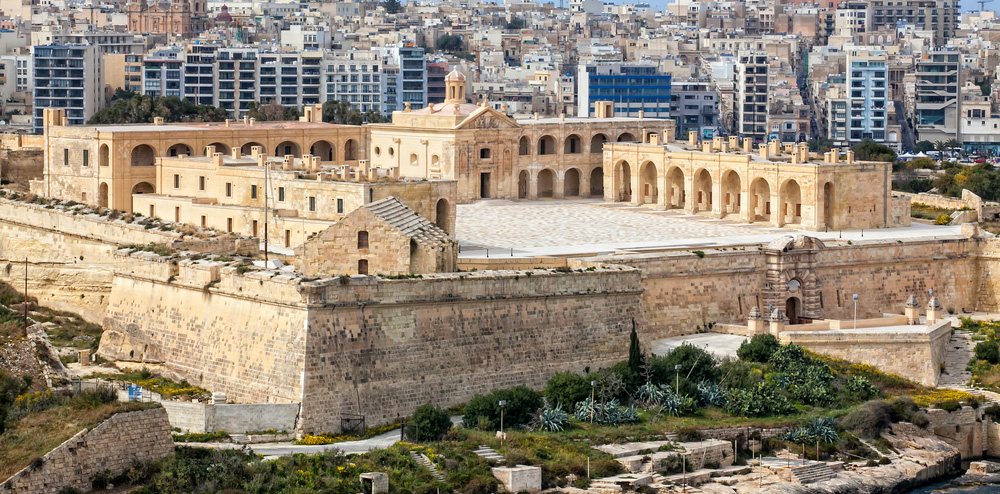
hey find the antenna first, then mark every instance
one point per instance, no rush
(982, 4)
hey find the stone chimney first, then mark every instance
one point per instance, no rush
(692, 138)
(236, 153)
(228, 122)
(252, 120)
(734, 142)
(803, 153)
(287, 163)
(778, 321)
(209, 150)
(246, 119)
(642, 114)
(307, 163)
(774, 147)
(653, 138)
(850, 156)
(717, 143)
(261, 157)
(724, 146)
(217, 159)
(933, 310)
(755, 323)
(157, 120)
(912, 310)
(395, 172)
(362, 170)
(706, 146)
(790, 148)
(764, 152)
(747, 145)
(256, 151)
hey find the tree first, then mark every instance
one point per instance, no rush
(10, 388)
(758, 349)
(988, 351)
(431, 422)
(123, 94)
(566, 389)
(484, 410)
(515, 23)
(634, 352)
(449, 43)
(340, 112)
(143, 109)
(923, 146)
(392, 6)
(820, 145)
(869, 150)
(697, 365)
(271, 112)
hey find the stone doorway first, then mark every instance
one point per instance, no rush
(792, 306)
(484, 185)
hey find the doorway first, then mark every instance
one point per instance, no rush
(792, 308)
(484, 185)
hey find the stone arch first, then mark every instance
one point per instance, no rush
(523, 181)
(623, 182)
(675, 188)
(435, 163)
(597, 143)
(760, 200)
(287, 147)
(143, 155)
(573, 145)
(179, 149)
(648, 192)
(546, 145)
(524, 146)
(221, 147)
(790, 196)
(351, 150)
(732, 189)
(247, 149)
(546, 183)
(324, 149)
(140, 188)
(571, 183)
(828, 198)
(414, 160)
(703, 190)
(104, 155)
(793, 309)
(102, 195)
(597, 182)
(626, 137)
(442, 215)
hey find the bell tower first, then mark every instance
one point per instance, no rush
(454, 84)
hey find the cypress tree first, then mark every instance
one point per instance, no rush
(634, 352)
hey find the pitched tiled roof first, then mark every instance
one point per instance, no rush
(408, 221)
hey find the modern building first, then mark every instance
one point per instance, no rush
(161, 72)
(199, 74)
(751, 79)
(290, 79)
(356, 77)
(695, 107)
(867, 95)
(632, 87)
(937, 16)
(69, 77)
(405, 78)
(237, 76)
(938, 76)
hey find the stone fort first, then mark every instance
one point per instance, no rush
(381, 314)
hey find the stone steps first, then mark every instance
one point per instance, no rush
(489, 454)
(816, 472)
(428, 464)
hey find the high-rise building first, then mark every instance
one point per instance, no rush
(237, 75)
(405, 78)
(751, 81)
(161, 72)
(867, 94)
(695, 107)
(937, 95)
(355, 77)
(67, 77)
(199, 74)
(938, 16)
(631, 87)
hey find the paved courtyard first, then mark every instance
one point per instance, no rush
(593, 226)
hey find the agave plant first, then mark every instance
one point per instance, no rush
(711, 394)
(649, 394)
(824, 430)
(551, 419)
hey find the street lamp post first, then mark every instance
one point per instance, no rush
(855, 297)
(677, 379)
(593, 385)
(503, 403)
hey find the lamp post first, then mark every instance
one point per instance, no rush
(677, 379)
(503, 404)
(593, 385)
(855, 297)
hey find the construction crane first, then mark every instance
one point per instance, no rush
(982, 4)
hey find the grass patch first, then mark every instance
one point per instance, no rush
(925, 212)
(167, 388)
(38, 433)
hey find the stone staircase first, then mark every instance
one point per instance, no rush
(488, 454)
(428, 464)
(960, 350)
(816, 472)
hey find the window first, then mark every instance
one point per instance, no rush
(229, 189)
(201, 183)
(340, 206)
(484, 153)
(363, 266)
(86, 157)
(65, 157)
(362, 239)
(281, 194)
(253, 191)
(312, 203)
(177, 181)
(229, 225)
(203, 222)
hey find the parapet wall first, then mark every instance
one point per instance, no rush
(232, 417)
(115, 445)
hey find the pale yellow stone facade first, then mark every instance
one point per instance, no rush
(772, 184)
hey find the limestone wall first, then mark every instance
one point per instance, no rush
(965, 429)
(19, 166)
(234, 418)
(114, 445)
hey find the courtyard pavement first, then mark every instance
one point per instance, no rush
(567, 227)
(718, 344)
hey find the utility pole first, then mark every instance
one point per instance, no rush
(25, 305)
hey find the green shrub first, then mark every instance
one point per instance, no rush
(758, 349)
(762, 400)
(949, 405)
(861, 387)
(870, 419)
(431, 422)
(993, 412)
(988, 351)
(485, 409)
(91, 398)
(944, 219)
(697, 365)
(902, 409)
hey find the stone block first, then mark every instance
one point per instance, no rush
(379, 481)
(521, 478)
